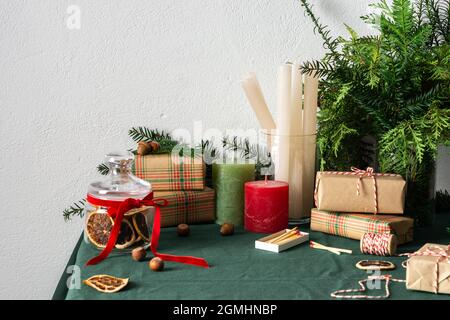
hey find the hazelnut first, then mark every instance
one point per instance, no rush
(143, 148)
(138, 254)
(227, 229)
(155, 146)
(156, 264)
(183, 230)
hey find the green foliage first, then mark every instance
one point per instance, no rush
(103, 169)
(146, 134)
(392, 86)
(75, 209)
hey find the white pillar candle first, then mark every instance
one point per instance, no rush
(284, 122)
(296, 103)
(309, 154)
(256, 99)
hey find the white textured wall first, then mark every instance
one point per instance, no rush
(69, 96)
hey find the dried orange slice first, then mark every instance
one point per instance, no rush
(126, 235)
(98, 228)
(141, 226)
(135, 210)
(106, 283)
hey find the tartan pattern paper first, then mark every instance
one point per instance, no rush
(171, 172)
(354, 225)
(187, 207)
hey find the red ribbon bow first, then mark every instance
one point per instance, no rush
(117, 209)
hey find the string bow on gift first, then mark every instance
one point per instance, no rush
(117, 210)
(361, 174)
(434, 251)
(370, 174)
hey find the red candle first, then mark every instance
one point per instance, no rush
(266, 206)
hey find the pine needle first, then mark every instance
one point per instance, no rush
(76, 209)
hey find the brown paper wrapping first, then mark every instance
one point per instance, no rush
(421, 271)
(337, 192)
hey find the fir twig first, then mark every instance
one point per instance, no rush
(103, 169)
(76, 209)
(329, 43)
(146, 134)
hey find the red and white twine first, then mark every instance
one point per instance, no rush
(369, 173)
(376, 243)
(340, 294)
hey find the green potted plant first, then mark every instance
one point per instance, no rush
(384, 98)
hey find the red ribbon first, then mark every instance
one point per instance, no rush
(117, 210)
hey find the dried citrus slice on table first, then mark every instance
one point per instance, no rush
(98, 228)
(126, 235)
(106, 283)
(141, 226)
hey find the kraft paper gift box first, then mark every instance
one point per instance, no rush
(429, 269)
(337, 191)
(171, 172)
(353, 225)
(187, 207)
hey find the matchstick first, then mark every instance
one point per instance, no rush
(337, 251)
(282, 236)
(290, 238)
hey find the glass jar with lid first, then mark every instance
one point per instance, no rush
(119, 185)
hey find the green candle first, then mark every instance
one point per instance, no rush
(228, 180)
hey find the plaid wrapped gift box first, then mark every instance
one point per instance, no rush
(187, 207)
(354, 225)
(171, 172)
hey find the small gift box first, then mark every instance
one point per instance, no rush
(360, 191)
(429, 269)
(353, 226)
(187, 207)
(171, 172)
(281, 240)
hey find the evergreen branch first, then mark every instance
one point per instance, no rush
(321, 68)
(209, 151)
(243, 145)
(419, 12)
(146, 134)
(103, 169)
(329, 43)
(76, 209)
(166, 146)
(248, 151)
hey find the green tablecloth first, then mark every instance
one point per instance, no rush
(239, 271)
